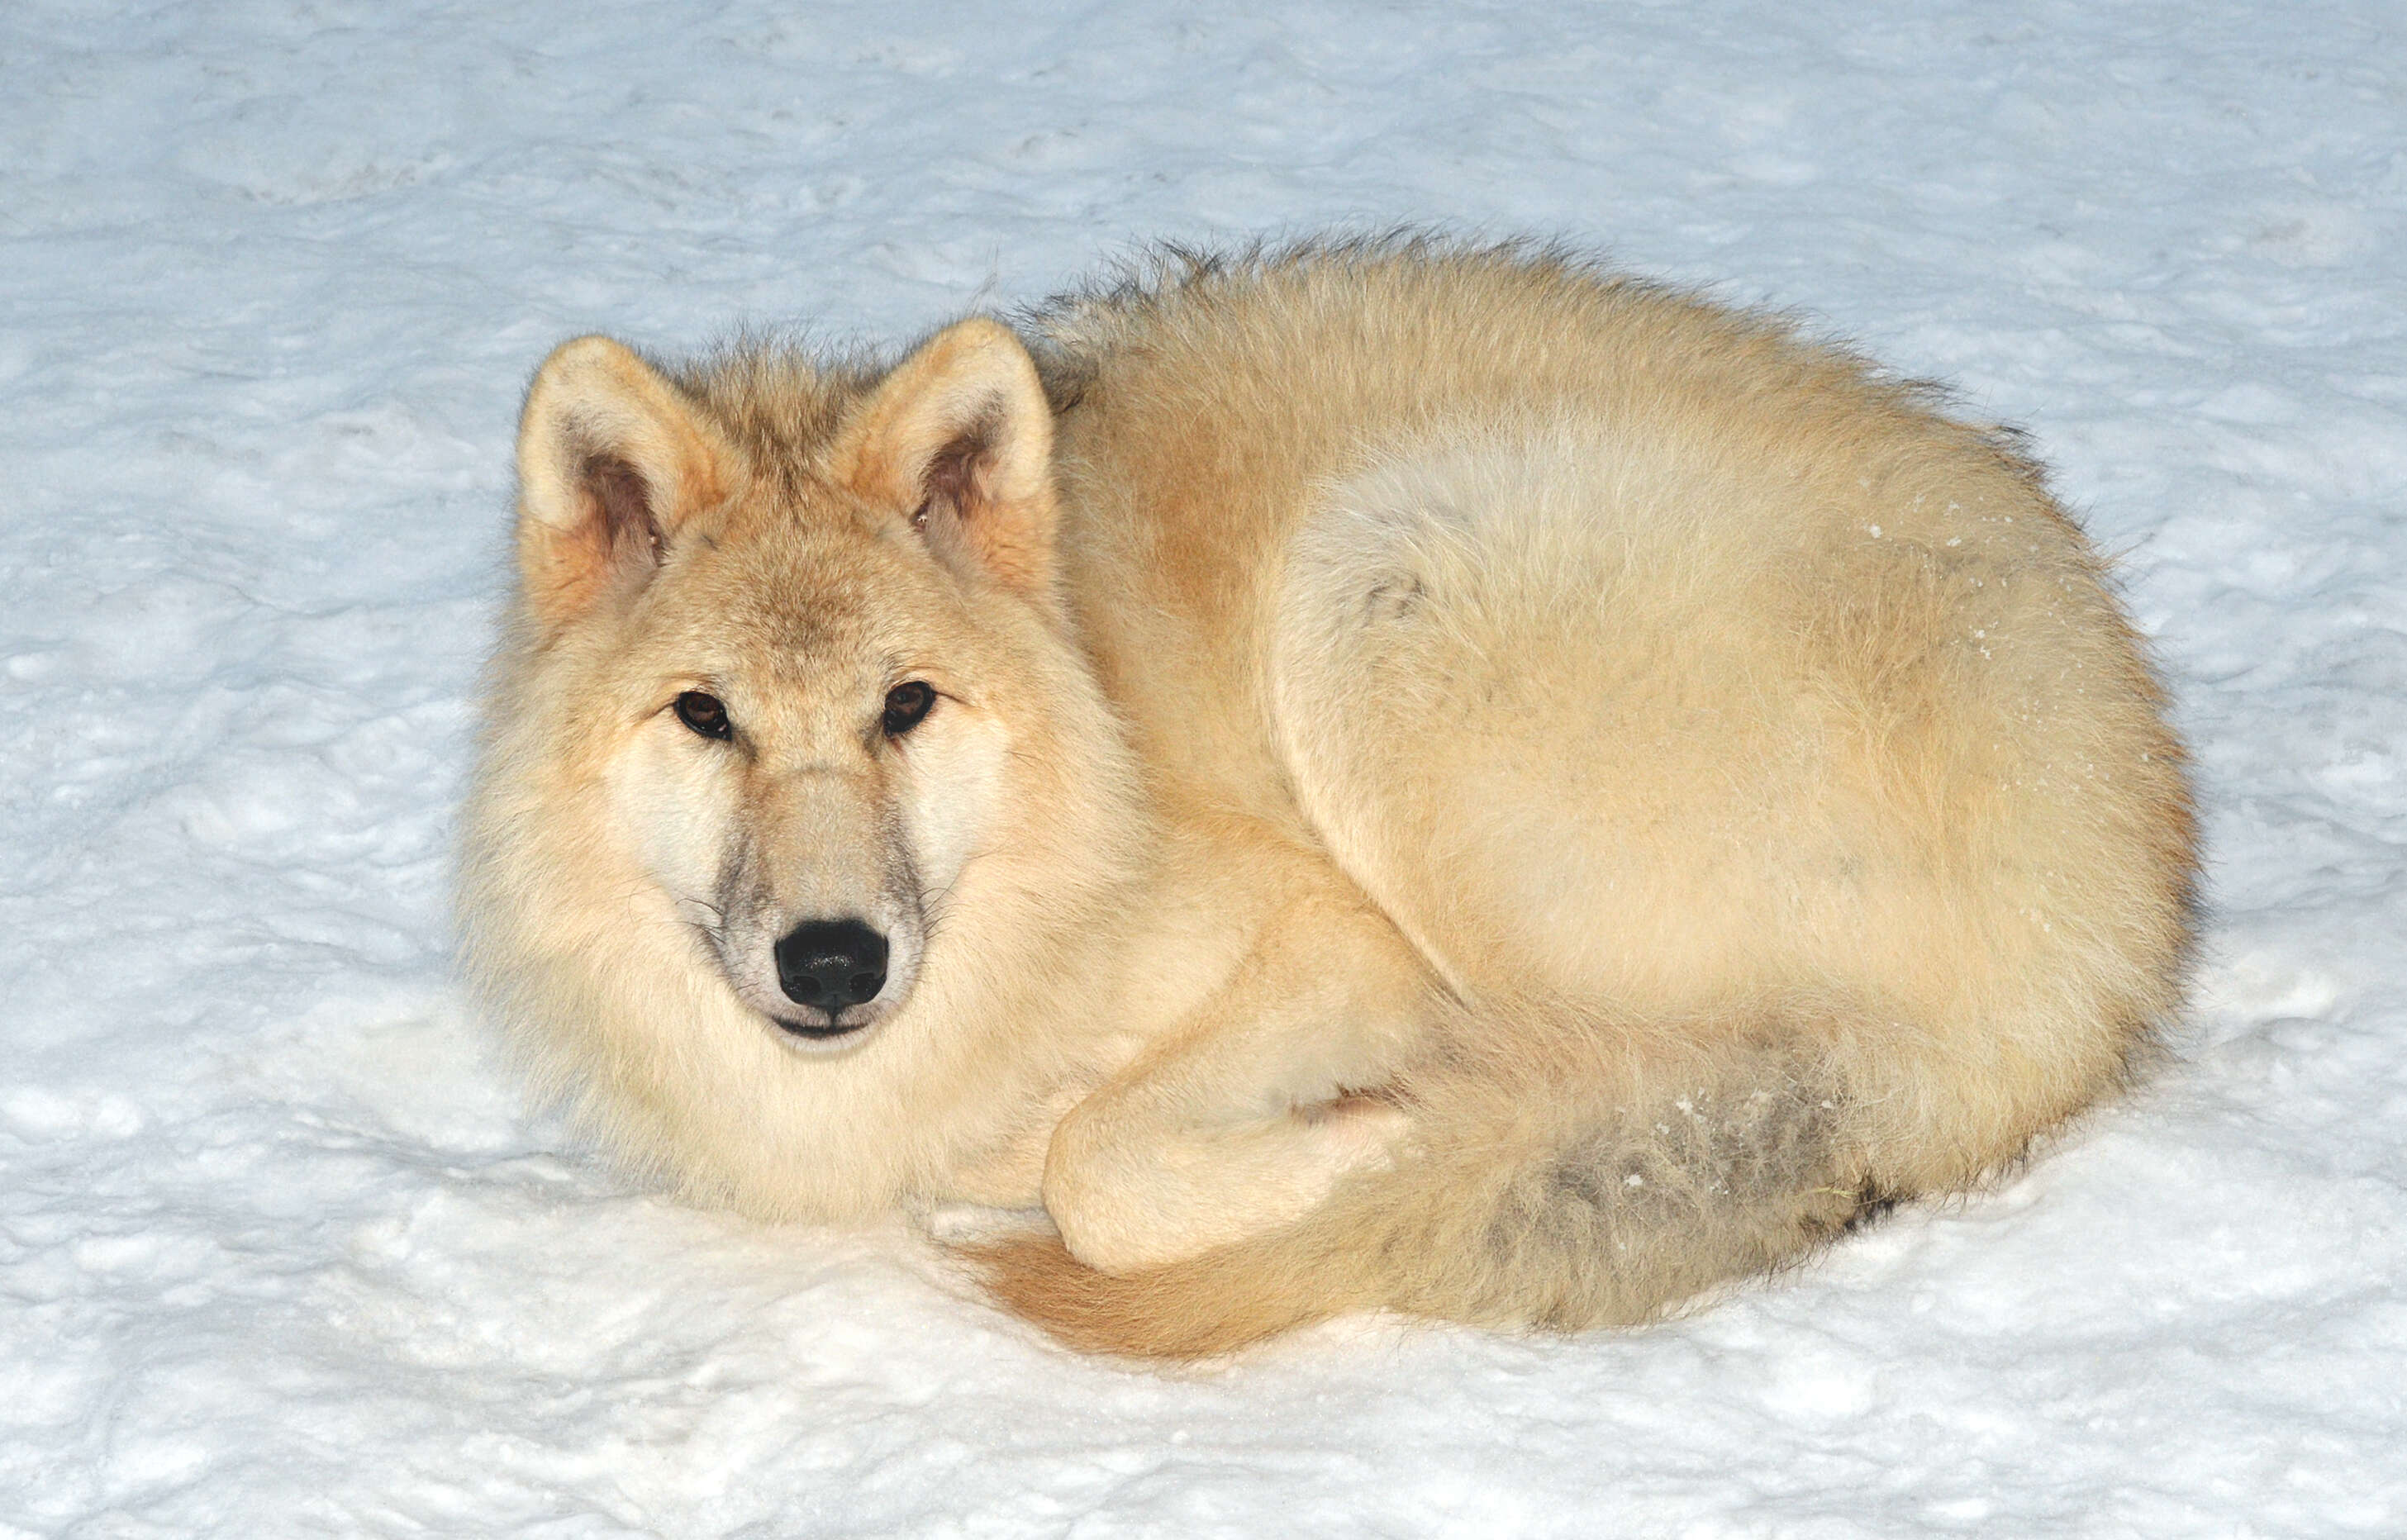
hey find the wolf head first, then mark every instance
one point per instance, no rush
(793, 773)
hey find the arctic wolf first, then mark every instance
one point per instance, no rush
(1368, 776)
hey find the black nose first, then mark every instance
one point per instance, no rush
(831, 963)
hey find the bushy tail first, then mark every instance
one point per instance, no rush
(1600, 1181)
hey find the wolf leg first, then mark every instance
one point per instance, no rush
(1246, 1119)
(1561, 1169)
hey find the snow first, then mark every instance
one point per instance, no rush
(281, 1255)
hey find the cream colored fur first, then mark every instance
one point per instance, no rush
(1460, 783)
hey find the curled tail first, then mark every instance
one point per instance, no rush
(1538, 1193)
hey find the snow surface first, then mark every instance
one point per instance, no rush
(278, 1252)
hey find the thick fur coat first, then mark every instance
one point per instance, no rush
(1371, 776)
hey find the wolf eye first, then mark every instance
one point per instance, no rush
(706, 714)
(907, 706)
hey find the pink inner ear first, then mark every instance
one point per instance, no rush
(623, 500)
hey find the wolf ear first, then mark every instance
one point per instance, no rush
(958, 439)
(611, 461)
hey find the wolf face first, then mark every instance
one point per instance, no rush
(813, 773)
(790, 742)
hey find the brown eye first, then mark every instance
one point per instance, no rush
(907, 706)
(706, 714)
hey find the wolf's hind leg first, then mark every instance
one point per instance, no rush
(1247, 1118)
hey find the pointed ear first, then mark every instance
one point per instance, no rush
(958, 439)
(612, 459)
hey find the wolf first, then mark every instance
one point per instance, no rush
(1368, 775)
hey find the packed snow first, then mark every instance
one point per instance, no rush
(280, 1252)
